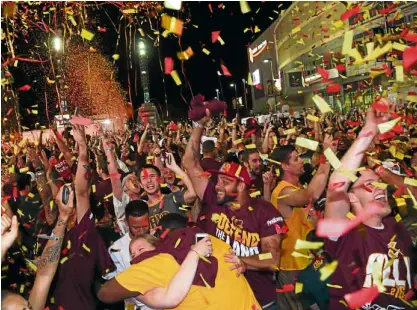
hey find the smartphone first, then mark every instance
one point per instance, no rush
(200, 236)
(65, 194)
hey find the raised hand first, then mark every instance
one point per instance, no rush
(9, 232)
(78, 132)
(203, 247)
(237, 263)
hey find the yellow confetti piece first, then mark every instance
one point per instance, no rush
(411, 98)
(399, 73)
(410, 181)
(11, 169)
(379, 185)
(86, 248)
(20, 213)
(255, 194)
(178, 242)
(93, 188)
(273, 161)
(307, 143)
(149, 158)
(206, 51)
(352, 177)
(350, 216)
(85, 34)
(378, 52)
(298, 287)
(313, 118)
(264, 256)
(30, 195)
(332, 158)
(64, 260)
(377, 276)
(398, 217)
(250, 146)
(173, 4)
(289, 131)
(60, 155)
(69, 244)
(387, 126)
(175, 77)
(220, 40)
(283, 196)
(22, 288)
(108, 196)
(327, 270)
(334, 285)
(299, 255)
(296, 29)
(23, 170)
(308, 245)
(164, 185)
(355, 54)
(347, 42)
(244, 7)
(238, 141)
(250, 208)
(399, 47)
(129, 11)
(321, 104)
(116, 56)
(204, 281)
(31, 265)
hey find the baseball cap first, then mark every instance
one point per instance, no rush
(234, 170)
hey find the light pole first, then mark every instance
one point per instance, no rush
(220, 84)
(244, 94)
(217, 92)
(272, 83)
(233, 85)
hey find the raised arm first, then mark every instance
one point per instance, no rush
(9, 232)
(47, 264)
(63, 147)
(336, 207)
(142, 140)
(83, 175)
(191, 159)
(189, 195)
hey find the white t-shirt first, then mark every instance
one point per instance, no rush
(119, 210)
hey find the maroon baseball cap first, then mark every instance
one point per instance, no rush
(234, 170)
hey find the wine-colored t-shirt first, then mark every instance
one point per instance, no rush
(85, 253)
(63, 169)
(359, 250)
(243, 229)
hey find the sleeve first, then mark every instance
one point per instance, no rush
(138, 278)
(119, 210)
(178, 198)
(210, 196)
(270, 220)
(104, 261)
(116, 262)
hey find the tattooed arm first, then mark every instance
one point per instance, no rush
(47, 264)
(83, 176)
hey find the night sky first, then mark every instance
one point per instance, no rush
(200, 69)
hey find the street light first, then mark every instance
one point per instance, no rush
(237, 101)
(272, 82)
(57, 44)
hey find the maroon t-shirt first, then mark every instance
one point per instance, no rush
(103, 189)
(210, 164)
(74, 280)
(63, 169)
(243, 229)
(356, 253)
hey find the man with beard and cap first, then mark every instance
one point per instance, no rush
(380, 244)
(252, 227)
(290, 198)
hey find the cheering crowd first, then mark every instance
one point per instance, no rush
(313, 212)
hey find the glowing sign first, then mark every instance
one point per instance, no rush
(257, 50)
(256, 77)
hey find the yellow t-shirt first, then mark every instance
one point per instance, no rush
(298, 228)
(230, 292)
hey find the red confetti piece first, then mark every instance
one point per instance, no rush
(324, 73)
(367, 188)
(350, 13)
(5, 198)
(214, 36)
(387, 10)
(336, 185)
(115, 175)
(64, 251)
(201, 218)
(210, 8)
(102, 29)
(165, 233)
(161, 204)
(82, 235)
(341, 67)
(15, 195)
(386, 135)
(169, 65)
(409, 57)
(361, 297)
(338, 227)
(205, 174)
(333, 88)
(9, 112)
(136, 138)
(226, 71)
(380, 107)
(280, 230)
(399, 192)
(249, 133)
(409, 295)
(356, 270)
(286, 288)
(24, 88)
